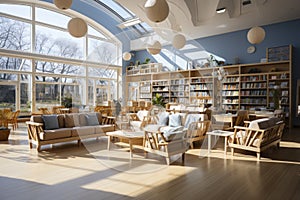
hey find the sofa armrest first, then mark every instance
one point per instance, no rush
(133, 117)
(34, 130)
(108, 120)
(29, 123)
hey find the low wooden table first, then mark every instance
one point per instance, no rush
(220, 133)
(133, 137)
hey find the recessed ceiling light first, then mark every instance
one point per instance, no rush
(221, 10)
(246, 2)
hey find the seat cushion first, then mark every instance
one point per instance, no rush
(173, 133)
(50, 122)
(83, 130)
(55, 134)
(104, 128)
(136, 125)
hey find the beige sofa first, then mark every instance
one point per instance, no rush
(51, 129)
(258, 136)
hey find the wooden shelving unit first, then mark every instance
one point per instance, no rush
(245, 86)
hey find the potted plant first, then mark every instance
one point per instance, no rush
(4, 133)
(158, 100)
(4, 130)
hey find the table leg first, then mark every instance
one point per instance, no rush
(225, 146)
(108, 142)
(209, 143)
(130, 148)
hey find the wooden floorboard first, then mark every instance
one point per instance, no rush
(66, 171)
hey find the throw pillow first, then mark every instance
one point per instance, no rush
(175, 120)
(82, 119)
(69, 122)
(163, 118)
(50, 122)
(92, 119)
(61, 121)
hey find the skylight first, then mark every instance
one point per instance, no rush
(127, 18)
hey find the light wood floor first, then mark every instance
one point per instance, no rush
(66, 171)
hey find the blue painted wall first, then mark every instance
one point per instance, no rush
(234, 44)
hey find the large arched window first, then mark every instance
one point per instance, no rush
(41, 64)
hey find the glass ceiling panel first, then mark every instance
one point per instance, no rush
(124, 13)
(23, 11)
(57, 19)
(92, 31)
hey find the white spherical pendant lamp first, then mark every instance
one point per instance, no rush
(77, 27)
(63, 4)
(157, 10)
(178, 41)
(256, 35)
(126, 56)
(154, 48)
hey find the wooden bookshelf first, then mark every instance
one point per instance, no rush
(244, 86)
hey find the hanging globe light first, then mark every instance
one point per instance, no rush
(154, 48)
(178, 41)
(63, 4)
(157, 10)
(126, 56)
(256, 35)
(77, 27)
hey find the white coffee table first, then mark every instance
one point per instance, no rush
(131, 136)
(220, 133)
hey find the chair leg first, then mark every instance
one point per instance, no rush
(232, 151)
(183, 158)
(168, 160)
(192, 145)
(258, 155)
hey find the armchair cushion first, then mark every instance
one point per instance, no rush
(172, 133)
(141, 114)
(192, 118)
(50, 122)
(259, 123)
(163, 118)
(175, 120)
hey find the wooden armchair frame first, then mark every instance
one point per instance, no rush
(13, 119)
(146, 119)
(197, 131)
(256, 140)
(155, 142)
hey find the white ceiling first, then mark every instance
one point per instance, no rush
(198, 18)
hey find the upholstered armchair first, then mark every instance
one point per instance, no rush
(165, 144)
(139, 120)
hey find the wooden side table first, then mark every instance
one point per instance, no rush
(220, 133)
(130, 136)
